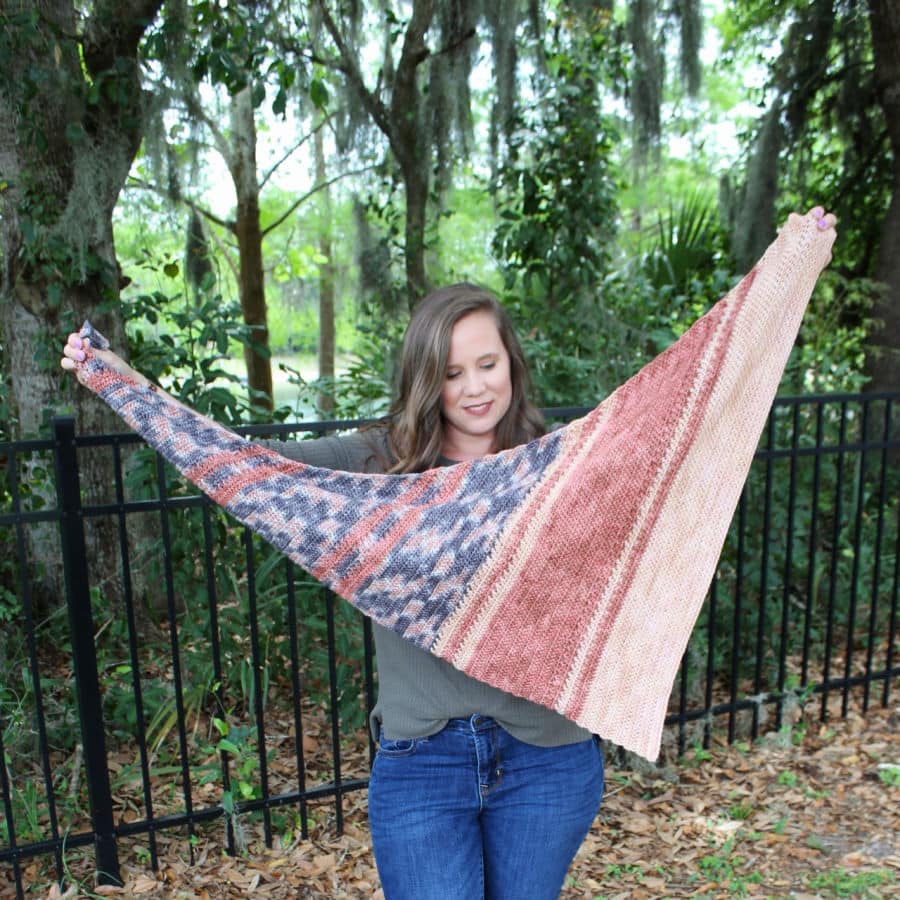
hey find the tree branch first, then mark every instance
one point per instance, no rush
(193, 107)
(347, 64)
(413, 54)
(293, 149)
(310, 193)
(191, 204)
(449, 48)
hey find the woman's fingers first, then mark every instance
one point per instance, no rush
(74, 351)
(824, 220)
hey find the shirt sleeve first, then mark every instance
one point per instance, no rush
(358, 451)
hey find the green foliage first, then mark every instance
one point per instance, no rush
(675, 273)
(728, 869)
(835, 142)
(238, 742)
(843, 883)
(556, 196)
(359, 392)
(461, 235)
(232, 46)
(21, 739)
(362, 389)
(235, 691)
(10, 602)
(830, 351)
(7, 421)
(686, 243)
(191, 339)
(788, 779)
(697, 756)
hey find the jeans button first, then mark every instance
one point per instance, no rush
(477, 721)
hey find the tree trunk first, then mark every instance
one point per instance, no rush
(406, 135)
(883, 360)
(752, 220)
(249, 237)
(402, 124)
(65, 152)
(326, 283)
(416, 182)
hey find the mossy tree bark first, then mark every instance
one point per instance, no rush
(70, 125)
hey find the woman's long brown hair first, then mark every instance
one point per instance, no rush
(416, 423)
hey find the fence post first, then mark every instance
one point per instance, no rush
(84, 656)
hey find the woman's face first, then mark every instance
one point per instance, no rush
(477, 388)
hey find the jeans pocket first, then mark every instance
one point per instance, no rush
(396, 749)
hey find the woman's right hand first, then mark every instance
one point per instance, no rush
(77, 348)
(74, 351)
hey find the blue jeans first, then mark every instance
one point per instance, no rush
(472, 812)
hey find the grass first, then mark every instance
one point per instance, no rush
(841, 883)
(726, 869)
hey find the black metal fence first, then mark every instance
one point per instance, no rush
(198, 677)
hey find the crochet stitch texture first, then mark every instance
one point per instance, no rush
(622, 513)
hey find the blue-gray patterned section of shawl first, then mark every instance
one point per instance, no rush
(306, 511)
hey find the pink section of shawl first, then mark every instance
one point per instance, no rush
(592, 616)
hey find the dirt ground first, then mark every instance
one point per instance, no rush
(810, 812)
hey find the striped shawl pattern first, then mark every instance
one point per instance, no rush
(569, 571)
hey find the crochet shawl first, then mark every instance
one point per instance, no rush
(569, 570)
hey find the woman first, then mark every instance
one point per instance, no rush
(474, 792)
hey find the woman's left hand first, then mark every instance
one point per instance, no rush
(825, 220)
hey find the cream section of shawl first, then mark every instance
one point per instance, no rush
(628, 693)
